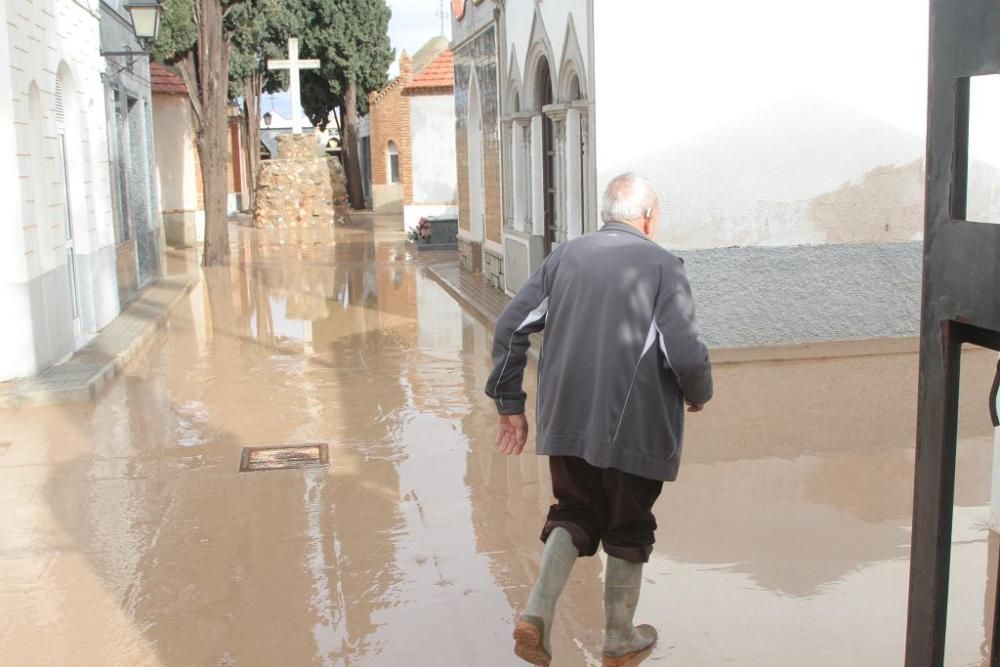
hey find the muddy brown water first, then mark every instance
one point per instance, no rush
(129, 537)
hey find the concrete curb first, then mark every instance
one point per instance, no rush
(83, 376)
(477, 309)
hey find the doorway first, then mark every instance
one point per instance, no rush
(63, 162)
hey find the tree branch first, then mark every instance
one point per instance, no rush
(187, 71)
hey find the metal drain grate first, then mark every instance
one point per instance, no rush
(281, 458)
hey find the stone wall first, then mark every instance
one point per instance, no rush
(299, 188)
(470, 255)
(493, 270)
(788, 295)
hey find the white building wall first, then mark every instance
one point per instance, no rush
(769, 123)
(40, 42)
(432, 133)
(176, 169)
(435, 170)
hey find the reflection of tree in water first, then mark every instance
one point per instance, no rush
(345, 400)
(355, 355)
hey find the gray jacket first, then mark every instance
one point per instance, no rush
(621, 353)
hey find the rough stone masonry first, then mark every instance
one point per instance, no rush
(300, 188)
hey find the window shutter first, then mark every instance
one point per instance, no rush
(60, 108)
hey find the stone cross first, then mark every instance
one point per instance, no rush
(294, 65)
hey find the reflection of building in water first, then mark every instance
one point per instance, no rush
(831, 487)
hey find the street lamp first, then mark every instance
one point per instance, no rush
(145, 17)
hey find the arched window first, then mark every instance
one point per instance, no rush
(393, 153)
(550, 195)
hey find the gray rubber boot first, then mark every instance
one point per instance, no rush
(531, 634)
(623, 641)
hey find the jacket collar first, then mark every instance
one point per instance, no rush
(622, 227)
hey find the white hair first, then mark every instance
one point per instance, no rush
(628, 198)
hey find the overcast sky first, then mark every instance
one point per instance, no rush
(413, 23)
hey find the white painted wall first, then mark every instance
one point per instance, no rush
(176, 160)
(432, 136)
(175, 151)
(37, 45)
(760, 123)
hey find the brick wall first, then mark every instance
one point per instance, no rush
(462, 162)
(390, 121)
(494, 195)
(470, 256)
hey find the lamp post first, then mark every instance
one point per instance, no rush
(145, 20)
(145, 17)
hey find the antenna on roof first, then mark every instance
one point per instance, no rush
(441, 14)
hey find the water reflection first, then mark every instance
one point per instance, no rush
(134, 540)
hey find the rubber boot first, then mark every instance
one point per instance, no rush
(624, 643)
(534, 626)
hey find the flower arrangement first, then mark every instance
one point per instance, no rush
(422, 232)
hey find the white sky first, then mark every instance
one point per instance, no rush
(984, 118)
(414, 22)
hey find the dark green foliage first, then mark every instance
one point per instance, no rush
(351, 40)
(260, 32)
(178, 32)
(256, 30)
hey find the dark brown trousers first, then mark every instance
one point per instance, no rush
(603, 505)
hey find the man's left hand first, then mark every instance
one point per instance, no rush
(512, 434)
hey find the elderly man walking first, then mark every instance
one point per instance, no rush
(621, 358)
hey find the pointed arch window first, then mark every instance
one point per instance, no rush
(393, 154)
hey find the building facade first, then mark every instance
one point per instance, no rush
(389, 149)
(475, 42)
(129, 120)
(57, 272)
(389, 132)
(178, 168)
(82, 233)
(792, 185)
(433, 189)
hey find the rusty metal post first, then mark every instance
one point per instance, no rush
(961, 304)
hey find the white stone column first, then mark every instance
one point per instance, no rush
(573, 191)
(557, 115)
(507, 162)
(537, 177)
(518, 180)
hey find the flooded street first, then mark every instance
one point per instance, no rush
(131, 538)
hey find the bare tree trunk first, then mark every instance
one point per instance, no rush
(213, 81)
(349, 148)
(251, 117)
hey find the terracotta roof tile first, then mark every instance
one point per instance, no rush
(164, 81)
(438, 75)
